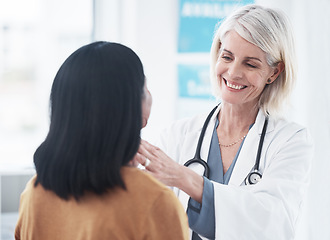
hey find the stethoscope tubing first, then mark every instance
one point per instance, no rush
(251, 178)
(261, 142)
(197, 158)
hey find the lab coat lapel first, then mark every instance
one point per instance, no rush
(247, 157)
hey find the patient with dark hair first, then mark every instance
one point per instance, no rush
(85, 186)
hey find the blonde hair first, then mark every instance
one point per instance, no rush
(269, 30)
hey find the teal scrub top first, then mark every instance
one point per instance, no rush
(201, 217)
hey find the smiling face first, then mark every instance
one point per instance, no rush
(242, 71)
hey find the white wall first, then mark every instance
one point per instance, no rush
(150, 28)
(313, 32)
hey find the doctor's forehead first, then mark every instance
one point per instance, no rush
(236, 45)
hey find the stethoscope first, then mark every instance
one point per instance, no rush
(253, 177)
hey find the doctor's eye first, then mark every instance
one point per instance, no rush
(226, 58)
(251, 65)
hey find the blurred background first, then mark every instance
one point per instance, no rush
(172, 38)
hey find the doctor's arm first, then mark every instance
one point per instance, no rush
(169, 172)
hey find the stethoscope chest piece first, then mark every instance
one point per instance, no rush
(253, 177)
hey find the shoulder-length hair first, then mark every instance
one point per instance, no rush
(269, 30)
(95, 121)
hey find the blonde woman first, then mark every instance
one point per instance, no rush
(259, 162)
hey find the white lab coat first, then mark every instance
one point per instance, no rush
(267, 210)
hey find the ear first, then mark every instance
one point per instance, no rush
(276, 71)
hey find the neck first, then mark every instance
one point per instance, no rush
(236, 120)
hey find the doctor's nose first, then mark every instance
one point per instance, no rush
(235, 71)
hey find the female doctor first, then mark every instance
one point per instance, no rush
(244, 196)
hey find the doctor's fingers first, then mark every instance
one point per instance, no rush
(157, 162)
(138, 158)
(147, 156)
(149, 151)
(149, 147)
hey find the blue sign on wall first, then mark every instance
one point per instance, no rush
(198, 21)
(194, 81)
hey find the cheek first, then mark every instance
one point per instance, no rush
(255, 89)
(257, 80)
(219, 70)
(147, 104)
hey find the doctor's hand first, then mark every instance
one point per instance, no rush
(169, 172)
(135, 161)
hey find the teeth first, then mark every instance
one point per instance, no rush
(234, 86)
